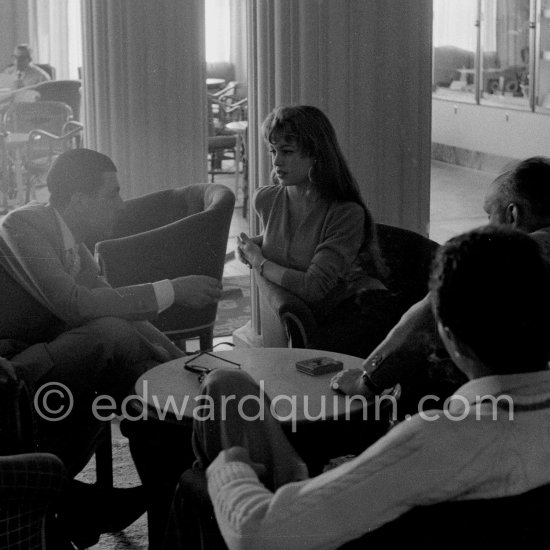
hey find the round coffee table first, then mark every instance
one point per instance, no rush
(319, 422)
(171, 393)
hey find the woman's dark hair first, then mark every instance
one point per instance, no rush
(491, 288)
(330, 177)
(77, 170)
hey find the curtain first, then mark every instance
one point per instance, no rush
(55, 35)
(367, 65)
(238, 41)
(145, 90)
(512, 32)
(489, 26)
(14, 28)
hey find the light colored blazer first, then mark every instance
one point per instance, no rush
(32, 253)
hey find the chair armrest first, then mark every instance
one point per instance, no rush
(31, 480)
(293, 313)
(192, 518)
(71, 127)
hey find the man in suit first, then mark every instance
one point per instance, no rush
(24, 72)
(520, 199)
(60, 321)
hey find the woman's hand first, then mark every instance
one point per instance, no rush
(248, 251)
(240, 254)
(350, 382)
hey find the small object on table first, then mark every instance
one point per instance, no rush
(319, 365)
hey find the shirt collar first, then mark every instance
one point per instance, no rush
(69, 241)
(526, 388)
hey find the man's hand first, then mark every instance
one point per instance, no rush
(240, 454)
(196, 290)
(7, 372)
(349, 382)
(248, 251)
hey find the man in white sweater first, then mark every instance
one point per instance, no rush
(491, 297)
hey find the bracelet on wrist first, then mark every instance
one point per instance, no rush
(370, 384)
(261, 267)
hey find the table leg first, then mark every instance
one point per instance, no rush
(18, 171)
(238, 145)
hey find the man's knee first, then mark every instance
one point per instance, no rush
(117, 338)
(110, 330)
(229, 382)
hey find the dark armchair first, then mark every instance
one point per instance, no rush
(169, 234)
(29, 482)
(66, 91)
(29, 485)
(287, 321)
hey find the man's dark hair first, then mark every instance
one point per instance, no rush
(26, 48)
(492, 290)
(528, 183)
(77, 170)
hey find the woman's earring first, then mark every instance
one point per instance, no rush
(309, 175)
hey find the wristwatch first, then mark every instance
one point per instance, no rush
(366, 377)
(261, 267)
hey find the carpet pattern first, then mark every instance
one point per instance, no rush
(125, 475)
(233, 313)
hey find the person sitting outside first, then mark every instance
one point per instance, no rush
(490, 297)
(62, 324)
(411, 354)
(23, 71)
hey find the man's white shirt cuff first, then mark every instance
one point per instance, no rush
(164, 292)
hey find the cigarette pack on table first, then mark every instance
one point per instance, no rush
(319, 365)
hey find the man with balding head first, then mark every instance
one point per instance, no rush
(520, 199)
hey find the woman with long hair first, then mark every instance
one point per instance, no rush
(319, 240)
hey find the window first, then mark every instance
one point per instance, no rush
(493, 52)
(217, 20)
(55, 35)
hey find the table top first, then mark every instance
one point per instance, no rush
(297, 397)
(237, 125)
(8, 94)
(16, 139)
(215, 82)
(487, 70)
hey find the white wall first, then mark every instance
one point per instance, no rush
(496, 131)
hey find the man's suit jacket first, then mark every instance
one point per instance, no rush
(40, 292)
